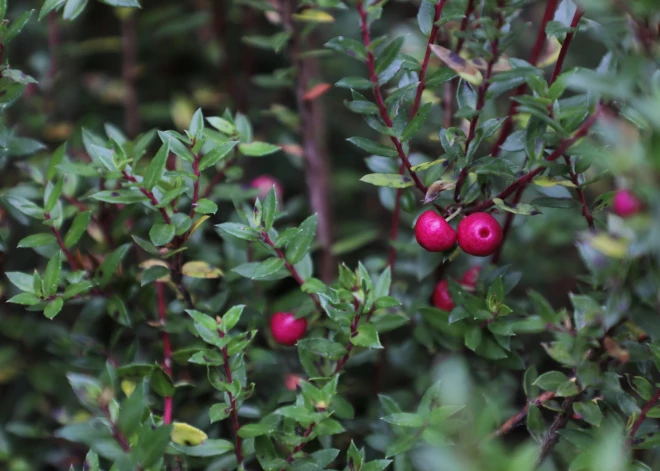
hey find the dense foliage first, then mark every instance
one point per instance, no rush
(201, 274)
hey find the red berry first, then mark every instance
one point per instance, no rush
(442, 297)
(286, 329)
(626, 204)
(479, 234)
(264, 183)
(471, 277)
(433, 232)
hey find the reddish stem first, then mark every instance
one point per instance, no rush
(583, 201)
(232, 404)
(563, 146)
(294, 273)
(382, 109)
(391, 260)
(555, 73)
(149, 194)
(167, 347)
(218, 178)
(642, 416)
(300, 446)
(514, 421)
(464, 23)
(349, 346)
(507, 127)
(60, 242)
(481, 98)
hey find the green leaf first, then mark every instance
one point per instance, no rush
(210, 447)
(120, 196)
(400, 445)
(416, 123)
(131, 410)
(156, 167)
(425, 16)
(16, 26)
(176, 146)
(205, 206)
(551, 380)
(520, 208)
(26, 299)
(547, 202)
(154, 273)
(257, 149)
(152, 444)
(53, 308)
(222, 125)
(274, 42)
(389, 180)
(269, 209)
(348, 46)
(387, 56)
(52, 274)
(73, 9)
(219, 412)
(161, 233)
(405, 419)
(25, 206)
(361, 107)
(122, 3)
(373, 147)
(52, 195)
(196, 125)
(216, 154)
(48, 6)
(266, 426)
(589, 412)
(355, 83)
(267, 268)
(22, 281)
(161, 382)
(298, 247)
(36, 240)
(367, 336)
(231, 318)
(322, 347)
(77, 229)
(240, 231)
(442, 413)
(109, 266)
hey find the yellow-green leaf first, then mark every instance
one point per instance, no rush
(608, 245)
(462, 67)
(201, 269)
(184, 434)
(314, 16)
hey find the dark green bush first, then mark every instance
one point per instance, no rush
(176, 173)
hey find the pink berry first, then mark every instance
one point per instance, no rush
(286, 329)
(442, 296)
(626, 204)
(264, 183)
(291, 381)
(479, 234)
(471, 277)
(433, 232)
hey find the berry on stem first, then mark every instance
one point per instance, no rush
(442, 297)
(470, 277)
(479, 234)
(286, 329)
(434, 233)
(264, 183)
(625, 203)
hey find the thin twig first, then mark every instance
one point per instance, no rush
(517, 419)
(559, 423)
(583, 201)
(167, 347)
(382, 109)
(349, 346)
(481, 97)
(541, 37)
(149, 194)
(464, 24)
(218, 178)
(300, 446)
(60, 242)
(562, 147)
(396, 214)
(642, 416)
(294, 273)
(232, 404)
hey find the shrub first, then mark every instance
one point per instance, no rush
(184, 299)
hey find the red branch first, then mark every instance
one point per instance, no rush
(562, 147)
(167, 347)
(642, 416)
(507, 127)
(514, 421)
(60, 242)
(481, 97)
(464, 24)
(583, 201)
(418, 99)
(349, 347)
(382, 109)
(232, 404)
(294, 273)
(300, 446)
(555, 73)
(149, 194)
